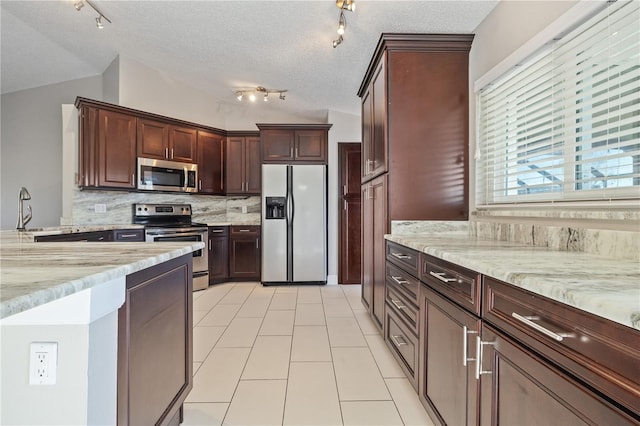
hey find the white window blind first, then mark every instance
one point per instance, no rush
(565, 123)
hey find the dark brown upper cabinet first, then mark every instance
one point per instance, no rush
(165, 141)
(211, 149)
(299, 143)
(415, 124)
(107, 149)
(243, 171)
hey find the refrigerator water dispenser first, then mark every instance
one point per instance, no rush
(275, 207)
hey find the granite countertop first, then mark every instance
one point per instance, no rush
(606, 287)
(59, 230)
(33, 274)
(235, 223)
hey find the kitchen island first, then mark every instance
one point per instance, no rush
(95, 302)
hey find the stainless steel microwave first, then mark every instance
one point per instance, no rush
(162, 175)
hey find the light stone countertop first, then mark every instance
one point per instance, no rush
(33, 274)
(606, 287)
(59, 230)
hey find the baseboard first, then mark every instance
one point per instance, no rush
(332, 280)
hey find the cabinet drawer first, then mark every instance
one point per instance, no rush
(403, 308)
(128, 235)
(457, 283)
(245, 231)
(403, 344)
(600, 352)
(406, 284)
(218, 231)
(404, 257)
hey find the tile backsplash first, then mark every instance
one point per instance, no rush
(205, 208)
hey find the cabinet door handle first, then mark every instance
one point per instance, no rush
(172, 153)
(399, 340)
(479, 346)
(133, 179)
(344, 203)
(296, 156)
(221, 178)
(209, 244)
(166, 153)
(199, 184)
(400, 255)
(441, 277)
(257, 244)
(465, 349)
(529, 320)
(398, 304)
(344, 189)
(399, 280)
(291, 152)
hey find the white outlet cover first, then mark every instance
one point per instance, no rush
(100, 208)
(43, 363)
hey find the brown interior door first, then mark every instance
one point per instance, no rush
(349, 251)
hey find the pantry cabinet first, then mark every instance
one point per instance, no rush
(243, 169)
(294, 143)
(211, 147)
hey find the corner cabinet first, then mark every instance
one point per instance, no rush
(294, 143)
(243, 170)
(107, 151)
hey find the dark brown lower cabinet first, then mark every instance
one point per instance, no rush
(244, 252)
(447, 385)
(155, 341)
(218, 254)
(520, 388)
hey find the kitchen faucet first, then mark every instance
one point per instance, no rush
(23, 220)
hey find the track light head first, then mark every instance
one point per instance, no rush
(252, 97)
(78, 5)
(239, 96)
(99, 22)
(337, 42)
(349, 5)
(342, 23)
(281, 96)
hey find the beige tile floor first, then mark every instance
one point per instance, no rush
(305, 355)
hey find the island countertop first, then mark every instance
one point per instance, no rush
(606, 287)
(32, 274)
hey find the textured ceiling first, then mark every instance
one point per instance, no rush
(218, 45)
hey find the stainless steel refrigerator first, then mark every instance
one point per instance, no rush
(294, 224)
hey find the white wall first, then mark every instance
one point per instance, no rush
(31, 148)
(346, 128)
(509, 25)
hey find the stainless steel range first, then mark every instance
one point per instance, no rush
(172, 222)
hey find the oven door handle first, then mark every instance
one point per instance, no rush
(175, 234)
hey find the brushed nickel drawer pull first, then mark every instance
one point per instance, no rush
(400, 255)
(244, 230)
(479, 346)
(128, 235)
(465, 349)
(529, 320)
(397, 304)
(217, 231)
(399, 280)
(398, 340)
(441, 277)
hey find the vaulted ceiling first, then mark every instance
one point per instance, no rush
(218, 45)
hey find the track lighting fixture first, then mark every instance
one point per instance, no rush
(80, 4)
(349, 5)
(253, 92)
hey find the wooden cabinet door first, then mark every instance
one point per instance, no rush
(277, 146)
(378, 195)
(152, 139)
(350, 238)
(182, 144)
(310, 146)
(367, 248)
(253, 167)
(235, 165)
(519, 388)
(116, 150)
(155, 341)
(378, 153)
(244, 252)
(218, 259)
(367, 134)
(447, 384)
(210, 163)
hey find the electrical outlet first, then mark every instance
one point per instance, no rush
(100, 208)
(43, 363)
(244, 209)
